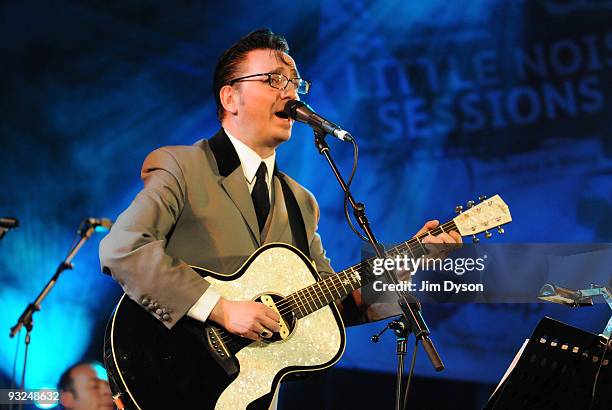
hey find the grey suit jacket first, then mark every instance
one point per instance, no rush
(195, 209)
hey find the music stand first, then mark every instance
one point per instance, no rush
(557, 370)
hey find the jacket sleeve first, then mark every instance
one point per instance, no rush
(134, 250)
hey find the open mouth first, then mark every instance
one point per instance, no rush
(281, 114)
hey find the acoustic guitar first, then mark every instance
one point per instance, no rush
(199, 365)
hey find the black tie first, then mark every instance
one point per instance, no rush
(261, 197)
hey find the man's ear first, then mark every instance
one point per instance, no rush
(67, 399)
(229, 99)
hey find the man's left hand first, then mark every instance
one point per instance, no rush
(451, 237)
(441, 244)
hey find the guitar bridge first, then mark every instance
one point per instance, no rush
(219, 351)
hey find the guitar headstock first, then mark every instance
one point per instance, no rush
(488, 214)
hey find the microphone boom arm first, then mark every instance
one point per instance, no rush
(411, 309)
(26, 317)
(88, 227)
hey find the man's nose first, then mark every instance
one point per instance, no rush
(290, 92)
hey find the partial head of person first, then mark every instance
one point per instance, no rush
(253, 81)
(80, 388)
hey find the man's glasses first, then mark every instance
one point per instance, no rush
(279, 81)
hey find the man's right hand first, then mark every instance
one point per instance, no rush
(247, 319)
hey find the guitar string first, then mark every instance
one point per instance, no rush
(298, 303)
(305, 299)
(327, 290)
(303, 303)
(232, 341)
(336, 279)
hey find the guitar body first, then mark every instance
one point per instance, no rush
(200, 365)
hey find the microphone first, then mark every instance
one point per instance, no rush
(9, 223)
(100, 224)
(301, 112)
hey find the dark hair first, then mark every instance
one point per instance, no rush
(229, 63)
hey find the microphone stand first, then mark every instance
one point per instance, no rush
(411, 309)
(25, 320)
(401, 330)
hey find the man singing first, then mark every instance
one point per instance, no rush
(214, 203)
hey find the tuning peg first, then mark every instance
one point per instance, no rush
(470, 204)
(481, 198)
(475, 239)
(488, 234)
(458, 209)
(500, 230)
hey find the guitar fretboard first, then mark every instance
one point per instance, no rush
(335, 287)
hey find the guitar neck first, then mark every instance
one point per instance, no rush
(335, 287)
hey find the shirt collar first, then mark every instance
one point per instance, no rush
(250, 160)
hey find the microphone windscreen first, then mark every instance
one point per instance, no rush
(291, 106)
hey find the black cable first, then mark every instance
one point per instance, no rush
(416, 345)
(348, 185)
(25, 359)
(14, 373)
(601, 359)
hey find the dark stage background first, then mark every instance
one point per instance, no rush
(448, 100)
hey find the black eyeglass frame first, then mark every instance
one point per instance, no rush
(289, 80)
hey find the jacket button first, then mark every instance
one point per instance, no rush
(155, 305)
(145, 301)
(158, 312)
(166, 317)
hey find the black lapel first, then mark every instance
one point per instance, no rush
(224, 152)
(233, 181)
